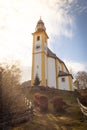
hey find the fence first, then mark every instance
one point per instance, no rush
(17, 117)
(82, 107)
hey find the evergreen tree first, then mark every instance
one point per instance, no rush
(36, 81)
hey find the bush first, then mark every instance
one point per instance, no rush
(41, 101)
(36, 99)
(37, 95)
(58, 104)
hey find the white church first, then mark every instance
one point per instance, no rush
(51, 70)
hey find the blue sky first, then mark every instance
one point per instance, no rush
(74, 49)
(66, 26)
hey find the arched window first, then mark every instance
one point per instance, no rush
(38, 38)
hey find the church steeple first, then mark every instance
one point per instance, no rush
(39, 53)
(40, 26)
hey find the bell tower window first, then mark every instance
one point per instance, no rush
(38, 38)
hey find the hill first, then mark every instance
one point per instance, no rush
(26, 83)
(70, 119)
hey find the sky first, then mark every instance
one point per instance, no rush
(66, 26)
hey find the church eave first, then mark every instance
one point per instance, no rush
(61, 74)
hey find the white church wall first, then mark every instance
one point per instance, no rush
(63, 85)
(51, 72)
(37, 65)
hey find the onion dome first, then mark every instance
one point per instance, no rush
(40, 26)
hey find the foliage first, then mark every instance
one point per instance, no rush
(58, 104)
(37, 81)
(81, 80)
(41, 101)
(9, 86)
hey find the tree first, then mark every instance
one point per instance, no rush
(11, 97)
(9, 85)
(81, 80)
(36, 81)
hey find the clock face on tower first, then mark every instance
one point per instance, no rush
(37, 46)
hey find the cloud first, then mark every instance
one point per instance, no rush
(80, 6)
(61, 22)
(62, 15)
(18, 19)
(75, 66)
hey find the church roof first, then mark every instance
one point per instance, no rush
(50, 53)
(61, 73)
(53, 55)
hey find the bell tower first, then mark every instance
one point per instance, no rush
(39, 54)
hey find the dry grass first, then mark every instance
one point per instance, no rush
(67, 120)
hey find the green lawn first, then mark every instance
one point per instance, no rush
(67, 120)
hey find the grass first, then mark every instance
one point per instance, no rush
(67, 120)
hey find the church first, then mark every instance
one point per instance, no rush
(51, 70)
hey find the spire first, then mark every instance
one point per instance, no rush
(40, 26)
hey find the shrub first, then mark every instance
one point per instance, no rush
(41, 101)
(58, 104)
(36, 99)
(37, 95)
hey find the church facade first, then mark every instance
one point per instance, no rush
(51, 70)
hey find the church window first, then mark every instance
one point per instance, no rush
(38, 38)
(63, 79)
